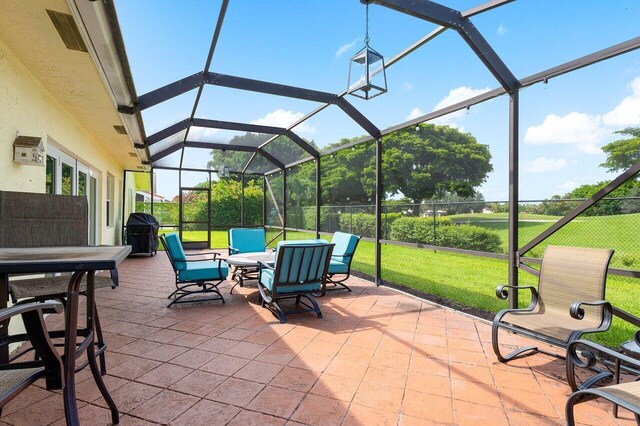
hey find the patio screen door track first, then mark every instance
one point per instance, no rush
(195, 224)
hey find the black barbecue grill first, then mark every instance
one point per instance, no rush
(142, 233)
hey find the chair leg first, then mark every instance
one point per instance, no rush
(206, 288)
(278, 310)
(568, 409)
(496, 347)
(338, 284)
(316, 308)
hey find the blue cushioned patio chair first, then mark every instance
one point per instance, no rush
(300, 269)
(340, 265)
(193, 276)
(245, 240)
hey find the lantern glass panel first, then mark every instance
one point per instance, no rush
(367, 77)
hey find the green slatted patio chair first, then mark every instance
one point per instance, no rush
(300, 269)
(193, 276)
(567, 275)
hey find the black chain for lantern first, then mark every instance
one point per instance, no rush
(366, 25)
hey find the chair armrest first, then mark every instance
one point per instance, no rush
(233, 250)
(208, 253)
(588, 359)
(48, 307)
(342, 256)
(502, 291)
(211, 253)
(33, 319)
(265, 265)
(577, 311)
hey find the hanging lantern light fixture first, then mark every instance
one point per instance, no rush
(367, 77)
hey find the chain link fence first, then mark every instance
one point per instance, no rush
(483, 225)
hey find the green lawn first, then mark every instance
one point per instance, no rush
(619, 232)
(464, 279)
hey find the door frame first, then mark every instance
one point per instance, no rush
(92, 194)
(194, 244)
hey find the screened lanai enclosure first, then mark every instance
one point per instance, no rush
(411, 185)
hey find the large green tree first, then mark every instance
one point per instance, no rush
(432, 162)
(623, 153)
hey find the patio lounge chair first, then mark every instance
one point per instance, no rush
(343, 252)
(245, 240)
(299, 270)
(567, 275)
(16, 377)
(193, 276)
(582, 353)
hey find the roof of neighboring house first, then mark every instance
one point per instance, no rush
(157, 196)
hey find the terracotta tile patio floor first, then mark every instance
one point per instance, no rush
(378, 357)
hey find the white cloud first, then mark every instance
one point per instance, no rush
(459, 94)
(502, 30)
(574, 182)
(346, 47)
(585, 131)
(569, 184)
(582, 130)
(407, 86)
(456, 95)
(284, 118)
(544, 164)
(627, 112)
(202, 134)
(415, 113)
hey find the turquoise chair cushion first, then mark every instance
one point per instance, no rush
(266, 278)
(345, 246)
(205, 271)
(174, 247)
(245, 240)
(337, 267)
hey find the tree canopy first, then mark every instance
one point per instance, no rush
(434, 161)
(623, 153)
(282, 148)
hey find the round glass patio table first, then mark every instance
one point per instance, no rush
(246, 265)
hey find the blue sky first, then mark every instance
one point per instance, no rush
(308, 43)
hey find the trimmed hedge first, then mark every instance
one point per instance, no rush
(420, 230)
(469, 237)
(364, 224)
(416, 229)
